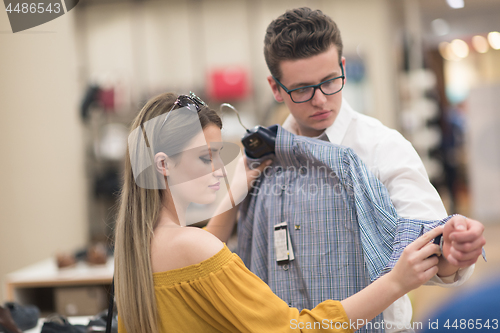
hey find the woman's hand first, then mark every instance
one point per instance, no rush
(256, 171)
(415, 266)
(242, 184)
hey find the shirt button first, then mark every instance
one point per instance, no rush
(285, 267)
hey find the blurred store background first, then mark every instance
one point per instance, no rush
(69, 88)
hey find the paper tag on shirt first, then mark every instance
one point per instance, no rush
(282, 243)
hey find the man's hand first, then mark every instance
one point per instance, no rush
(463, 241)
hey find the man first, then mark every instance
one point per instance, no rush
(303, 51)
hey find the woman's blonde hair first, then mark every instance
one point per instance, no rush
(138, 214)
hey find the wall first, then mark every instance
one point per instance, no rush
(43, 188)
(483, 140)
(170, 45)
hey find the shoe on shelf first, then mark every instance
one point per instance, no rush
(7, 324)
(99, 321)
(65, 260)
(97, 254)
(56, 323)
(24, 316)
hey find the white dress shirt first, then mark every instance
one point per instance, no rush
(394, 161)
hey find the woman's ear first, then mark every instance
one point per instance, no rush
(161, 164)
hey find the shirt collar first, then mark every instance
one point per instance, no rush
(336, 132)
(286, 149)
(300, 151)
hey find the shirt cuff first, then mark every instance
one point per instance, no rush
(455, 280)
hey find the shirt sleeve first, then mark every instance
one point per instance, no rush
(454, 280)
(401, 170)
(246, 218)
(386, 239)
(245, 230)
(376, 215)
(408, 231)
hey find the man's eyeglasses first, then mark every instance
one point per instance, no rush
(187, 102)
(306, 93)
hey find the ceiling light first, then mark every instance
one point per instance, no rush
(480, 44)
(446, 52)
(440, 27)
(494, 39)
(460, 48)
(455, 3)
(443, 50)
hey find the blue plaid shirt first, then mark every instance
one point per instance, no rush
(344, 230)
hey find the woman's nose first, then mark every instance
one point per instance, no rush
(218, 172)
(217, 166)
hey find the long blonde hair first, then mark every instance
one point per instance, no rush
(138, 215)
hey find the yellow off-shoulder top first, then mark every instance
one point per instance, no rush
(220, 294)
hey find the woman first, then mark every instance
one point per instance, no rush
(172, 278)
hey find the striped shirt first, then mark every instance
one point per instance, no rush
(343, 228)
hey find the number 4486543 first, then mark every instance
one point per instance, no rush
(34, 8)
(472, 324)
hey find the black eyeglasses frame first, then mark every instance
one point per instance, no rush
(315, 86)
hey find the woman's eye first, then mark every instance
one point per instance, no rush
(206, 160)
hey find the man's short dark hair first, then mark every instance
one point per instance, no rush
(298, 34)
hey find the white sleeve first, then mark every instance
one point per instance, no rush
(402, 172)
(455, 280)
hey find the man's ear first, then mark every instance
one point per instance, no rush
(275, 88)
(161, 163)
(343, 65)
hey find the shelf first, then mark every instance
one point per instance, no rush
(50, 288)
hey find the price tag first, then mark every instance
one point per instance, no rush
(282, 244)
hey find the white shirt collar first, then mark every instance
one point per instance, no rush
(290, 124)
(336, 132)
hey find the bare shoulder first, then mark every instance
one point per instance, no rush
(172, 249)
(198, 244)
